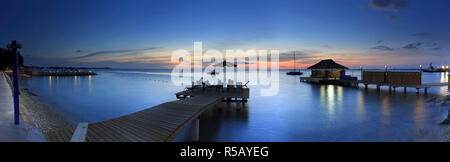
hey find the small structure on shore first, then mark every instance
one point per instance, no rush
(329, 72)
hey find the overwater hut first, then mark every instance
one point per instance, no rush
(327, 69)
(329, 72)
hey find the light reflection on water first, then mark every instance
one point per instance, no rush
(300, 111)
(444, 77)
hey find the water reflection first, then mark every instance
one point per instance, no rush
(50, 82)
(361, 106)
(385, 109)
(331, 98)
(75, 79)
(90, 85)
(57, 81)
(444, 77)
(418, 112)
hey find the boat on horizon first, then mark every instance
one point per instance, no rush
(431, 69)
(295, 72)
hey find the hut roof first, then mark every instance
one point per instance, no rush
(327, 64)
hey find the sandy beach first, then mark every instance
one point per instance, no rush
(37, 118)
(43, 116)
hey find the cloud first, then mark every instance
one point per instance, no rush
(428, 36)
(382, 48)
(299, 56)
(408, 46)
(326, 46)
(436, 48)
(389, 4)
(378, 41)
(413, 45)
(99, 53)
(392, 17)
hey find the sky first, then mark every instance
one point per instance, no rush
(145, 33)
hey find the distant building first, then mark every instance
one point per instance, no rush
(327, 69)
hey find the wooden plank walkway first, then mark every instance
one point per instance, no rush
(156, 124)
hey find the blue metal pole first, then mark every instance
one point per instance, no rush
(15, 82)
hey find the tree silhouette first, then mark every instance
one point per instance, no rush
(6, 58)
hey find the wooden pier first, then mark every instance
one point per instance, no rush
(156, 124)
(393, 87)
(391, 79)
(355, 83)
(336, 81)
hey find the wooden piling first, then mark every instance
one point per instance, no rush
(238, 105)
(195, 130)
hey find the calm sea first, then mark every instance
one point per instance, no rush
(299, 112)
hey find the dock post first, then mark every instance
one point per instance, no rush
(404, 90)
(238, 105)
(417, 90)
(378, 87)
(366, 86)
(390, 88)
(195, 130)
(394, 88)
(425, 91)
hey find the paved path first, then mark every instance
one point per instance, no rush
(8, 131)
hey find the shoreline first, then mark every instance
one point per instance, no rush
(441, 102)
(44, 117)
(37, 117)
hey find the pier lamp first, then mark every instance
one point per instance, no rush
(420, 66)
(385, 67)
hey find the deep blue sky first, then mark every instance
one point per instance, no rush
(143, 34)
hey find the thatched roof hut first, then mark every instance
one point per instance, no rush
(327, 69)
(327, 64)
